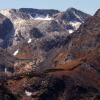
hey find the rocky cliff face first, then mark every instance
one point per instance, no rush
(6, 31)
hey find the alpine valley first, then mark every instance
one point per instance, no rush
(46, 54)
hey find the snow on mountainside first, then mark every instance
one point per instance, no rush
(70, 14)
(43, 18)
(47, 25)
(30, 40)
(37, 31)
(16, 52)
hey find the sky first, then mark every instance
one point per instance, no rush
(88, 6)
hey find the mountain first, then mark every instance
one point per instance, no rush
(49, 63)
(72, 19)
(41, 31)
(72, 71)
(46, 21)
(81, 57)
(73, 14)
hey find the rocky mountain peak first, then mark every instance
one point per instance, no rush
(74, 14)
(14, 14)
(72, 9)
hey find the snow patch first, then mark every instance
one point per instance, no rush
(70, 31)
(28, 93)
(5, 70)
(76, 25)
(30, 40)
(43, 18)
(16, 52)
